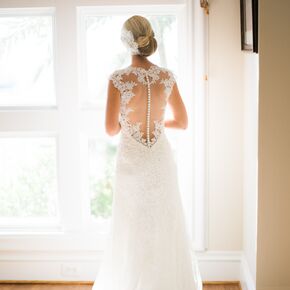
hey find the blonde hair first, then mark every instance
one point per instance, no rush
(143, 34)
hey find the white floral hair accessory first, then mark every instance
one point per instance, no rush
(128, 40)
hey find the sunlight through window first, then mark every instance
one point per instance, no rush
(26, 61)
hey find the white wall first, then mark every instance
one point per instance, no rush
(223, 260)
(225, 127)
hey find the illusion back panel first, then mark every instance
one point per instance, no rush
(138, 104)
(144, 95)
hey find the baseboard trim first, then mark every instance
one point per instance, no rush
(220, 282)
(224, 266)
(246, 279)
(81, 267)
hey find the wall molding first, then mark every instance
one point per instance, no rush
(79, 265)
(226, 266)
(247, 281)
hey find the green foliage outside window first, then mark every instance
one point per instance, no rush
(101, 202)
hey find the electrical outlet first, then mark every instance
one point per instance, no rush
(69, 270)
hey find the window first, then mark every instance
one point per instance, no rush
(29, 196)
(101, 52)
(26, 60)
(28, 187)
(57, 162)
(104, 51)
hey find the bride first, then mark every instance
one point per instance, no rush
(148, 246)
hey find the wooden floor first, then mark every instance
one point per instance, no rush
(88, 286)
(43, 287)
(221, 286)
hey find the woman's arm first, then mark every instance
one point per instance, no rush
(180, 120)
(112, 124)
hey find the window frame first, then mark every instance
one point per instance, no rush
(69, 79)
(179, 10)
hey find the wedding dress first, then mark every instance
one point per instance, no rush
(148, 246)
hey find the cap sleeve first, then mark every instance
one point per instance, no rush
(169, 82)
(116, 79)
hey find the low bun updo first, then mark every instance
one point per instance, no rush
(143, 34)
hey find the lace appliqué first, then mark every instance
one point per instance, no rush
(152, 72)
(126, 90)
(168, 83)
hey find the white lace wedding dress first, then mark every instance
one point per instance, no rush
(148, 246)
